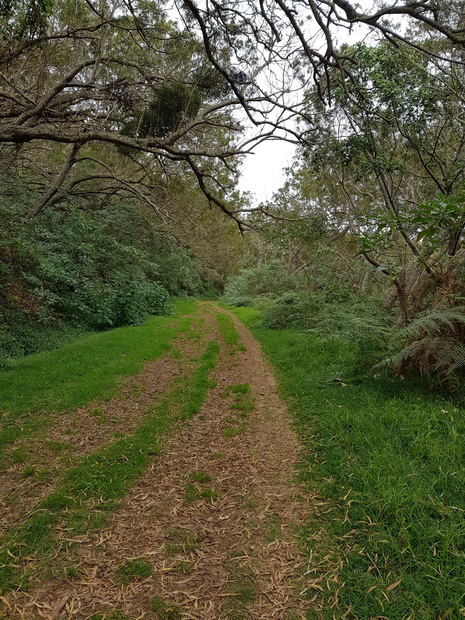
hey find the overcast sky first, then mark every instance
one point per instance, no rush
(262, 173)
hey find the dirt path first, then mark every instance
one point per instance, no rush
(74, 435)
(212, 520)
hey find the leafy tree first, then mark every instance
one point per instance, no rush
(115, 94)
(382, 152)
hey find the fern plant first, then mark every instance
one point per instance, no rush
(432, 345)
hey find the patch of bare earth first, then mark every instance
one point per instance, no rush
(214, 516)
(74, 435)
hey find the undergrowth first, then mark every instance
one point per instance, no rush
(386, 457)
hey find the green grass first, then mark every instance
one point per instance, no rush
(133, 570)
(92, 489)
(201, 382)
(388, 457)
(240, 388)
(243, 593)
(241, 402)
(229, 332)
(40, 385)
(242, 405)
(164, 610)
(193, 493)
(234, 429)
(199, 476)
(274, 528)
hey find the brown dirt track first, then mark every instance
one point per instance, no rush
(230, 553)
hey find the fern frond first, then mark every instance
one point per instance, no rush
(431, 344)
(433, 322)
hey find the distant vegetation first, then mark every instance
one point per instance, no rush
(365, 239)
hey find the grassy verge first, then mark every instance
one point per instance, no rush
(34, 387)
(92, 489)
(388, 459)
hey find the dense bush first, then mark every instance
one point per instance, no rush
(330, 310)
(73, 270)
(268, 279)
(292, 309)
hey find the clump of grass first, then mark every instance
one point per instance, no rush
(241, 402)
(72, 571)
(28, 471)
(242, 405)
(164, 610)
(199, 385)
(183, 541)
(199, 476)
(97, 412)
(19, 456)
(240, 388)
(229, 332)
(57, 446)
(192, 494)
(232, 431)
(274, 528)
(184, 567)
(243, 593)
(133, 570)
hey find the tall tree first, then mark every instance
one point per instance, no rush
(390, 154)
(113, 92)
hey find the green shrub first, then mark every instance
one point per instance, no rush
(270, 279)
(76, 270)
(293, 309)
(133, 570)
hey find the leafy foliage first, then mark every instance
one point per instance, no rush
(24, 19)
(433, 345)
(74, 270)
(268, 279)
(330, 309)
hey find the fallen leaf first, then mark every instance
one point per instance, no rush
(393, 585)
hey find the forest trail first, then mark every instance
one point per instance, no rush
(209, 530)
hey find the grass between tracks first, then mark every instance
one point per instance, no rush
(91, 490)
(387, 459)
(35, 387)
(229, 332)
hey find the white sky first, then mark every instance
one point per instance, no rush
(262, 173)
